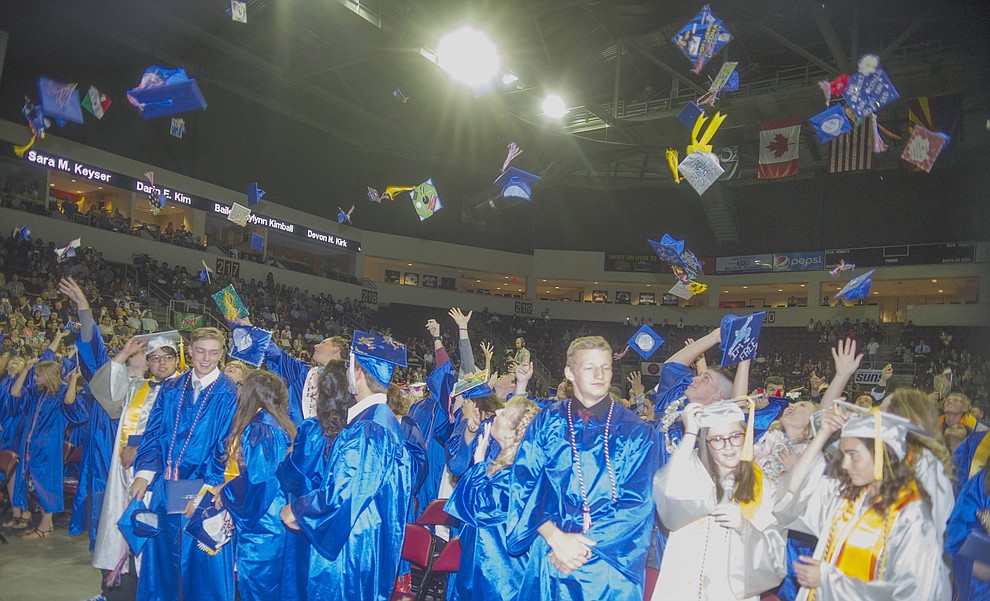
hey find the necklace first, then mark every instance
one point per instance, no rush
(172, 467)
(585, 508)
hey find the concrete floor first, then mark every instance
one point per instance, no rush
(53, 569)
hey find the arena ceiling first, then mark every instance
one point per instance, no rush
(300, 99)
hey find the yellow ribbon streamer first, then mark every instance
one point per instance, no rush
(702, 144)
(673, 161)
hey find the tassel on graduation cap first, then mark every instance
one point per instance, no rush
(672, 161)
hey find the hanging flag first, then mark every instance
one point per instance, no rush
(728, 156)
(854, 150)
(937, 113)
(96, 102)
(779, 140)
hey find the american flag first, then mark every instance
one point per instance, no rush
(854, 150)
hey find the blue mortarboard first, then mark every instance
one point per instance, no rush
(165, 92)
(211, 527)
(178, 127)
(249, 344)
(673, 252)
(701, 38)
(254, 194)
(870, 89)
(204, 275)
(733, 84)
(516, 183)
(68, 251)
(60, 100)
(398, 95)
(342, 216)
(138, 524)
(645, 342)
(470, 384)
(831, 123)
(373, 195)
(257, 242)
(689, 115)
(35, 117)
(378, 355)
(857, 288)
(22, 234)
(740, 337)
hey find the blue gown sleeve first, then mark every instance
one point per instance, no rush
(250, 494)
(357, 471)
(302, 471)
(672, 378)
(285, 365)
(479, 499)
(91, 355)
(962, 458)
(533, 498)
(972, 498)
(440, 382)
(460, 454)
(762, 418)
(416, 445)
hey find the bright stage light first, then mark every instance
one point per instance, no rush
(554, 107)
(468, 55)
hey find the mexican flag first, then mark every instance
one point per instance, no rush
(96, 102)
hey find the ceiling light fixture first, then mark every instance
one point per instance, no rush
(468, 55)
(553, 106)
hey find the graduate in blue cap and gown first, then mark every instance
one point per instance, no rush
(300, 377)
(355, 521)
(259, 439)
(185, 442)
(480, 500)
(10, 422)
(969, 525)
(580, 501)
(970, 457)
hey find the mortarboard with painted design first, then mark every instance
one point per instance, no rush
(676, 254)
(516, 183)
(165, 92)
(96, 102)
(702, 38)
(68, 251)
(178, 127)
(740, 337)
(471, 383)
(60, 100)
(249, 344)
(230, 303)
(857, 288)
(426, 200)
(831, 123)
(923, 147)
(210, 527)
(645, 342)
(378, 355)
(239, 214)
(869, 89)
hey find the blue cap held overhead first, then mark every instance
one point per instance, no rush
(740, 337)
(60, 100)
(645, 342)
(674, 253)
(516, 183)
(254, 194)
(249, 344)
(165, 92)
(378, 355)
(857, 288)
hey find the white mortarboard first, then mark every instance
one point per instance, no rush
(171, 339)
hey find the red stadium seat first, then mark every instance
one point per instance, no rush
(417, 547)
(434, 515)
(448, 561)
(71, 459)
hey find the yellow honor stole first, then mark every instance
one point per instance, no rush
(981, 456)
(133, 415)
(750, 508)
(857, 546)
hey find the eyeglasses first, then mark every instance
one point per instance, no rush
(160, 358)
(718, 442)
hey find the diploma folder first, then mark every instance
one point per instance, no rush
(180, 492)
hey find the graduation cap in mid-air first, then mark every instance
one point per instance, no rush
(831, 123)
(254, 194)
(857, 288)
(60, 100)
(645, 342)
(257, 242)
(165, 92)
(516, 183)
(68, 251)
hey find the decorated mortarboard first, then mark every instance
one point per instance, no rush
(645, 342)
(230, 303)
(238, 11)
(21, 234)
(373, 195)
(740, 337)
(675, 253)
(60, 100)
(249, 344)
(96, 102)
(701, 170)
(68, 251)
(344, 217)
(834, 88)
(470, 383)
(513, 152)
(923, 147)
(257, 242)
(869, 89)
(392, 191)
(178, 127)
(165, 92)
(37, 122)
(516, 183)
(425, 200)
(681, 290)
(857, 288)
(212, 528)
(702, 38)
(254, 194)
(831, 123)
(138, 524)
(239, 214)
(378, 355)
(170, 339)
(156, 198)
(689, 115)
(398, 95)
(720, 81)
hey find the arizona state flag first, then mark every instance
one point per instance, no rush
(938, 114)
(779, 140)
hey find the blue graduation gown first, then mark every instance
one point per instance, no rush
(962, 458)
(972, 498)
(546, 487)
(431, 415)
(460, 455)
(356, 521)
(98, 433)
(171, 562)
(254, 500)
(487, 570)
(300, 474)
(293, 372)
(10, 417)
(416, 444)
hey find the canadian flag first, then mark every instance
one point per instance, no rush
(779, 140)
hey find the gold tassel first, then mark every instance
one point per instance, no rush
(20, 150)
(747, 450)
(699, 141)
(182, 356)
(878, 447)
(672, 161)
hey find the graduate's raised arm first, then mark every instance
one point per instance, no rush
(846, 364)
(690, 353)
